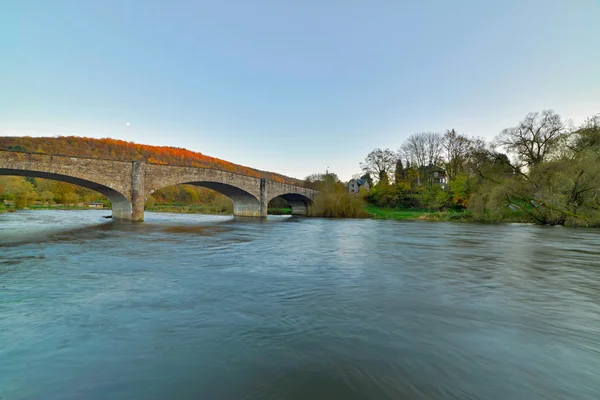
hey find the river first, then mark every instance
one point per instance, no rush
(210, 307)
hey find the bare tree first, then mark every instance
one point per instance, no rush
(535, 138)
(413, 150)
(380, 163)
(457, 149)
(586, 137)
(423, 149)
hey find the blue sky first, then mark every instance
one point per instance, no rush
(292, 87)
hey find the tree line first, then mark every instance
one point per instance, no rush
(24, 192)
(541, 170)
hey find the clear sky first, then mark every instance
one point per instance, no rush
(292, 86)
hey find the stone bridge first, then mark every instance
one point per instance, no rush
(127, 184)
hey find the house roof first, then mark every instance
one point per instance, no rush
(433, 168)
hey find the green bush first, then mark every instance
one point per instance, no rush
(338, 205)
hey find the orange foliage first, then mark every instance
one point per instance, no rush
(129, 151)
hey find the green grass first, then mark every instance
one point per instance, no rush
(279, 211)
(392, 213)
(424, 215)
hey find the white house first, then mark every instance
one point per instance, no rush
(355, 185)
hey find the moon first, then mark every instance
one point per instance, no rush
(127, 124)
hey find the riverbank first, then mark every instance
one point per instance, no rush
(370, 212)
(423, 215)
(209, 209)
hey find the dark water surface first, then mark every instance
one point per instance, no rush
(199, 307)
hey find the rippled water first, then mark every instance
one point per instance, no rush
(199, 307)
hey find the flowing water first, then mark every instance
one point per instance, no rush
(201, 307)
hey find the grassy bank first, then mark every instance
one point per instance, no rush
(423, 215)
(279, 211)
(392, 213)
(333, 207)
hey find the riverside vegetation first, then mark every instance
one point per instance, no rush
(542, 170)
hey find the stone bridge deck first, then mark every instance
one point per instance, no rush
(127, 184)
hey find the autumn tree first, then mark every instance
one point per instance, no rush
(380, 163)
(328, 182)
(19, 190)
(71, 198)
(46, 197)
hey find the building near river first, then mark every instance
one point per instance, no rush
(434, 175)
(355, 185)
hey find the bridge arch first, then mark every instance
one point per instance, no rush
(244, 191)
(121, 207)
(298, 202)
(299, 198)
(244, 203)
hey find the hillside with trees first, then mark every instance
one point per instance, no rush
(114, 149)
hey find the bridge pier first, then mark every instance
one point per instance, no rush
(264, 203)
(248, 206)
(299, 207)
(138, 192)
(121, 209)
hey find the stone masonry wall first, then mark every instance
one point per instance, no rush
(128, 184)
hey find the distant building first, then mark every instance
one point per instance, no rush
(96, 204)
(355, 185)
(434, 175)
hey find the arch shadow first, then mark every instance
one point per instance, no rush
(121, 207)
